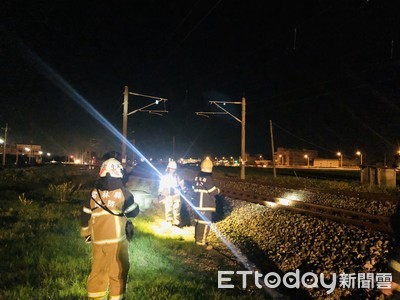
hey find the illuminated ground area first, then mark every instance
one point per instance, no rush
(163, 229)
(163, 255)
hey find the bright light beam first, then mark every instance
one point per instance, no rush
(235, 251)
(55, 78)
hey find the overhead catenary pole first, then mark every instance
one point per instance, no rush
(243, 164)
(125, 125)
(173, 147)
(243, 131)
(272, 148)
(142, 109)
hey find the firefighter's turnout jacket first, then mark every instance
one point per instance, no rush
(204, 202)
(106, 231)
(102, 226)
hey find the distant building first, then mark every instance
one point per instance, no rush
(190, 161)
(326, 163)
(294, 157)
(262, 162)
(28, 153)
(89, 157)
(256, 160)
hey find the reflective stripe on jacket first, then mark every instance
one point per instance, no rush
(206, 191)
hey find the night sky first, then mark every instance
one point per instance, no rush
(325, 72)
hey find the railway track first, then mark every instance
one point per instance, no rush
(365, 220)
(368, 221)
(365, 195)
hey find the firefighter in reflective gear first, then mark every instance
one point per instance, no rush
(204, 202)
(169, 194)
(103, 221)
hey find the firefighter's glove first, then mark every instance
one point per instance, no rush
(129, 230)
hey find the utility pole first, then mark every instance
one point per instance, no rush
(242, 121)
(142, 109)
(5, 144)
(272, 148)
(30, 154)
(125, 125)
(173, 147)
(243, 145)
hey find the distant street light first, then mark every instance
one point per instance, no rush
(281, 159)
(29, 155)
(341, 159)
(40, 156)
(4, 142)
(360, 155)
(308, 160)
(4, 151)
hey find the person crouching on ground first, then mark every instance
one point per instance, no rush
(104, 219)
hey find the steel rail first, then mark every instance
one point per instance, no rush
(363, 195)
(368, 221)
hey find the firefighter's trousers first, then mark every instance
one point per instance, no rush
(202, 228)
(172, 209)
(110, 269)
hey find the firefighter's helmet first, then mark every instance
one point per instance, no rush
(172, 165)
(113, 167)
(206, 165)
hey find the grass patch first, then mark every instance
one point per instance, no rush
(43, 256)
(175, 268)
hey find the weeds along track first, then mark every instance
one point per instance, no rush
(364, 210)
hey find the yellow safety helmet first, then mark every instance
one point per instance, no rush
(206, 165)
